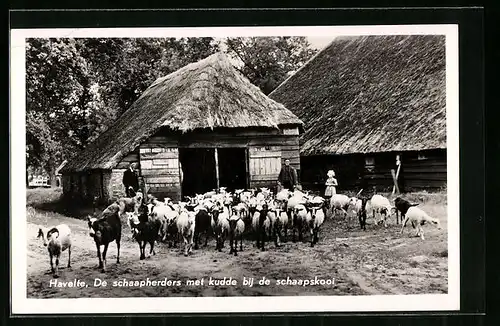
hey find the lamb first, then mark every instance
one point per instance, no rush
(402, 205)
(57, 239)
(418, 217)
(186, 226)
(380, 204)
(339, 202)
(236, 229)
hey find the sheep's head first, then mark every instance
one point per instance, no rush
(436, 222)
(232, 222)
(91, 224)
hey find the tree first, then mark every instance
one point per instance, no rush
(76, 88)
(268, 61)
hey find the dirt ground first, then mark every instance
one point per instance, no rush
(376, 261)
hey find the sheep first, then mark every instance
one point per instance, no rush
(186, 226)
(202, 224)
(402, 205)
(297, 198)
(105, 230)
(314, 219)
(220, 225)
(57, 239)
(236, 229)
(283, 195)
(129, 204)
(281, 224)
(418, 217)
(261, 225)
(360, 209)
(339, 202)
(300, 216)
(146, 231)
(380, 204)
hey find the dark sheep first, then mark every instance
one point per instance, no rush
(203, 222)
(146, 231)
(105, 230)
(402, 205)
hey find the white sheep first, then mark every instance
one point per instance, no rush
(381, 205)
(339, 202)
(186, 225)
(314, 219)
(220, 224)
(57, 239)
(418, 217)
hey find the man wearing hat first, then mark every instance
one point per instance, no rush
(288, 176)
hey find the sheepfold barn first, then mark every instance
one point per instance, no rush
(199, 128)
(369, 103)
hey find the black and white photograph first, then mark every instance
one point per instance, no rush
(255, 169)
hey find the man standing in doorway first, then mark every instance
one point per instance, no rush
(130, 180)
(288, 176)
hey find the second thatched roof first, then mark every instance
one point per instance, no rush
(207, 94)
(371, 94)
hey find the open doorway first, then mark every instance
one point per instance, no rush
(198, 170)
(232, 168)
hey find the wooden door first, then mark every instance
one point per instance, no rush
(264, 165)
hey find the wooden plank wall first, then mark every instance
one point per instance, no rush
(352, 172)
(264, 165)
(159, 161)
(424, 170)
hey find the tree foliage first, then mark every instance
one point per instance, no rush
(268, 61)
(76, 88)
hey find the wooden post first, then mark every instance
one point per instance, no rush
(395, 175)
(216, 167)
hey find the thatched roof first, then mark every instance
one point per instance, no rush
(371, 94)
(209, 94)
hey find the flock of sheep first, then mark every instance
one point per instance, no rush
(265, 215)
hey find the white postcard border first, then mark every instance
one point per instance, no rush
(20, 304)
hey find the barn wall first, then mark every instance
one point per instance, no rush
(372, 172)
(159, 159)
(426, 170)
(264, 165)
(267, 150)
(113, 184)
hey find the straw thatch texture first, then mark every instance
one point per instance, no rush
(371, 94)
(210, 94)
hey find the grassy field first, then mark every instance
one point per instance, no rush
(376, 261)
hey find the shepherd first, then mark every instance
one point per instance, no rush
(287, 177)
(130, 180)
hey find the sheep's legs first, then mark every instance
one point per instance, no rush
(69, 256)
(152, 248)
(51, 263)
(241, 242)
(206, 238)
(99, 254)
(117, 251)
(404, 224)
(104, 256)
(57, 266)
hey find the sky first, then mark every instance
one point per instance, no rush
(319, 42)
